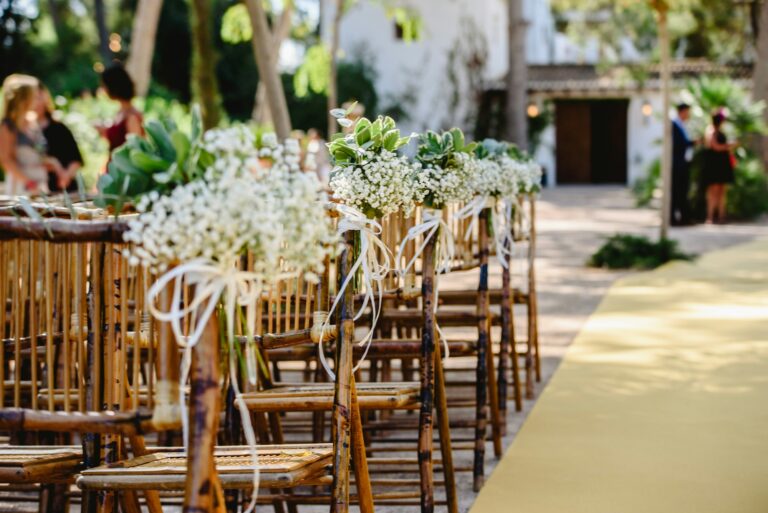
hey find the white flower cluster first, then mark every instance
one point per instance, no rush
(497, 177)
(380, 186)
(436, 187)
(278, 215)
(529, 176)
(237, 140)
(283, 157)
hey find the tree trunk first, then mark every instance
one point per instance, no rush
(261, 113)
(333, 93)
(266, 61)
(55, 11)
(101, 26)
(517, 76)
(204, 87)
(143, 34)
(761, 72)
(666, 152)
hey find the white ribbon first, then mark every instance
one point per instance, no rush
(502, 232)
(373, 271)
(471, 209)
(212, 282)
(432, 223)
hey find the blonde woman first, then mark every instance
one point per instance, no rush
(22, 145)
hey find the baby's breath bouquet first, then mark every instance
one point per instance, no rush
(237, 205)
(447, 169)
(528, 171)
(498, 175)
(368, 173)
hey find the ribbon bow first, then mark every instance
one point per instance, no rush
(373, 270)
(212, 281)
(432, 223)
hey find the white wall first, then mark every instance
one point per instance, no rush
(433, 76)
(643, 134)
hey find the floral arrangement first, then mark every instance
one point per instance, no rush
(498, 175)
(238, 205)
(368, 173)
(528, 171)
(447, 169)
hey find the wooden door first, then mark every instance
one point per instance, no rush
(573, 141)
(609, 141)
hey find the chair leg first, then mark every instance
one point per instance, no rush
(427, 363)
(342, 398)
(443, 423)
(362, 478)
(54, 498)
(493, 396)
(202, 483)
(481, 382)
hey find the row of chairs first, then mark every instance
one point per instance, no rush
(91, 393)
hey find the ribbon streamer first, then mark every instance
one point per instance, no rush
(472, 209)
(212, 282)
(374, 272)
(432, 223)
(502, 234)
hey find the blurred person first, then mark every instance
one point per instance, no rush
(60, 145)
(22, 144)
(682, 153)
(718, 164)
(119, 87)
(317, 158)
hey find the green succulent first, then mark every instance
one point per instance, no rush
(438, 150)
(375, 136)
(164, 159)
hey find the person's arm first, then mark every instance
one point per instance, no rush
(133, 125)
(718, 146)
(8, 155)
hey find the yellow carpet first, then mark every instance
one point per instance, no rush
(661, 404)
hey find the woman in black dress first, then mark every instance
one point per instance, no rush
(60, 145)
(717, 169)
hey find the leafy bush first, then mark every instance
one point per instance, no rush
(624, 251)
(644, 188)
(748, 196)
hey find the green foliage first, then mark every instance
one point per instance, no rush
(624, 251)
(236, 25)
(314, 72)
(644, 188)
(165, 158)
(356, 83)
(748, 196)
(409, 22)
(439, 150)
(375, 136)
(710, 93)
(698, 28)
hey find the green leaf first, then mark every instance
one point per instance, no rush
(236, 25)
(161, 139)
(148, 163)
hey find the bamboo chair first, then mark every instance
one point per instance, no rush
(472, 252)
(210, 469)
(372, 396)
(71, 304)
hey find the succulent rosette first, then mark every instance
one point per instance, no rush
(368, 173)
(447, 168)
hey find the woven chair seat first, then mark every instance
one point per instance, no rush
(39, 463)
(319, 396)
(279, 465)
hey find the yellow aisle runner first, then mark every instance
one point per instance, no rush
(661, 404)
